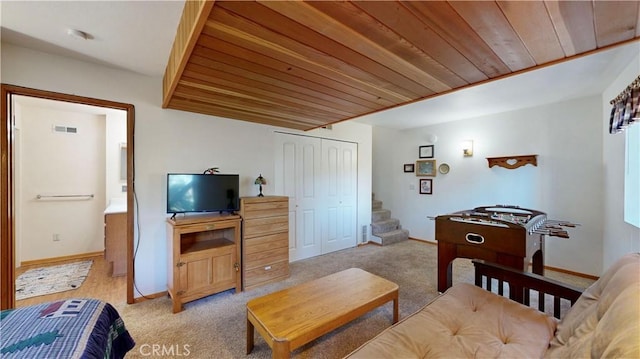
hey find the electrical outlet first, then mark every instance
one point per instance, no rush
(56, 237)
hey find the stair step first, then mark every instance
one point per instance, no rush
(393, 236)
(387, 225)
(380, 215)
(375, 204)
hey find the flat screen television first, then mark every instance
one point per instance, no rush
(194, 193)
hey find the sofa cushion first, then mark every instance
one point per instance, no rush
(605, 321)
(465, 321)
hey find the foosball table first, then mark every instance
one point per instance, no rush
(507, 235)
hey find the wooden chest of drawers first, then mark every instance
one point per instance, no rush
(265, 240)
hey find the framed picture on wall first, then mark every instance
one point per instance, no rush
(426, 186)
(425, 151)
(409, 168)
(426, 168)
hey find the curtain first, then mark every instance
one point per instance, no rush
(626, 108)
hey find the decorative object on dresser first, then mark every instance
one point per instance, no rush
(260, 181)
(204, 256)
(507, 235)
(265, 239)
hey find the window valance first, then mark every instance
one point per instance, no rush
(626, 108)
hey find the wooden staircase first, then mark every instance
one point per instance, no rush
(384, 229)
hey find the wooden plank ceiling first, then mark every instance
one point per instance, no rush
(304, 65)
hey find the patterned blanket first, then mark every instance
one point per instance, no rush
(74, 328)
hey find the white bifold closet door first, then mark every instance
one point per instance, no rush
(339, 171)
(320, 178)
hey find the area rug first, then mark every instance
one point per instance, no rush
(53, 279)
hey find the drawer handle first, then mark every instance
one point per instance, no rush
(267, 268)
(474, 238)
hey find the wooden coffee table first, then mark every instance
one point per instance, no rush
(295, 316)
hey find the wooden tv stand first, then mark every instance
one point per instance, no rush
(204, 256)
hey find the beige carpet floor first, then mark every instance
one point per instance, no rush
(215, 326)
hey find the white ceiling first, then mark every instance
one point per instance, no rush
(138, 35)
(582, 77)
(132, 35)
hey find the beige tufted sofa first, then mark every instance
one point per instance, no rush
(468, 321)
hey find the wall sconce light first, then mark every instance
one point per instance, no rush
(467, 148)
(260, 181)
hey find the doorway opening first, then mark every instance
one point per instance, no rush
(8, 200)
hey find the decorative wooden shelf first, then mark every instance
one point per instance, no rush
(512, 162)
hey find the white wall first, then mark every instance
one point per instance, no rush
(619, 236)
(566, 184)
(52, 164)
(116, 136)
(171, 141)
